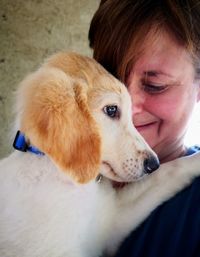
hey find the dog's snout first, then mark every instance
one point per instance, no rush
(151, 164)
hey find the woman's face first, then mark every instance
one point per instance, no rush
(163, 92)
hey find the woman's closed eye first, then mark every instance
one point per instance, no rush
(151, 88)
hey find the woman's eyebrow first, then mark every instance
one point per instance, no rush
(171, 81)
(153, 73)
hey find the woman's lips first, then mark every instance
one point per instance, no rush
(141, 127)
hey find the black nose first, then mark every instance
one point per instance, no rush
(151, 164)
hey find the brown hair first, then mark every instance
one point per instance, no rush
(118, 26)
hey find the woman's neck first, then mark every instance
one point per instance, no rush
(175, 153)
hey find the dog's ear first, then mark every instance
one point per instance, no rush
(56, 118)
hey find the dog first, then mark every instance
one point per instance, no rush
(75, 140)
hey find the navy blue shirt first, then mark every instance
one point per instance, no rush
(172, 230)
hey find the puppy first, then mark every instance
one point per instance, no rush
(76, 139)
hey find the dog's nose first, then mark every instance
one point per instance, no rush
(150, 164)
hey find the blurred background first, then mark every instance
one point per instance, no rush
(31, 30)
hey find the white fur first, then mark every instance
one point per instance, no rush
(44, 213)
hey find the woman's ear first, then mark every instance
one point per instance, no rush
(57, 120)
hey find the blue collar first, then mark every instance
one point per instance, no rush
(20, 144)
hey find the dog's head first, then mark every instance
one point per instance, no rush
(80, 116)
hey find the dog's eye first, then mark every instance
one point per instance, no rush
(112, 111)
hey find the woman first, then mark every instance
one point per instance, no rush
(154, 48)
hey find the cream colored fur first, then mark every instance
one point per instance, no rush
(52, 205)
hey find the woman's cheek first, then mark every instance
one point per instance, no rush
(163, 107)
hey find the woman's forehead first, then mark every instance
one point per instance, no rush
(161, 54)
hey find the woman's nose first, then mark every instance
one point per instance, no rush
(138, 100)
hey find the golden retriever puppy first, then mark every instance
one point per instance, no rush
(76, 139)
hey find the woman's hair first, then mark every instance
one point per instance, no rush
(119, 26)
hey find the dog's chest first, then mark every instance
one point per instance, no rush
(55, 215)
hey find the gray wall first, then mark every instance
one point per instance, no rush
(29, 32)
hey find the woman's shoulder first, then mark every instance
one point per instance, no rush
(172, 229)
(193, 149)
(185, 200)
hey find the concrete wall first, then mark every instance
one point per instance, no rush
(31, 30)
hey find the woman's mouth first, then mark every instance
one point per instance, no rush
(142, 127)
